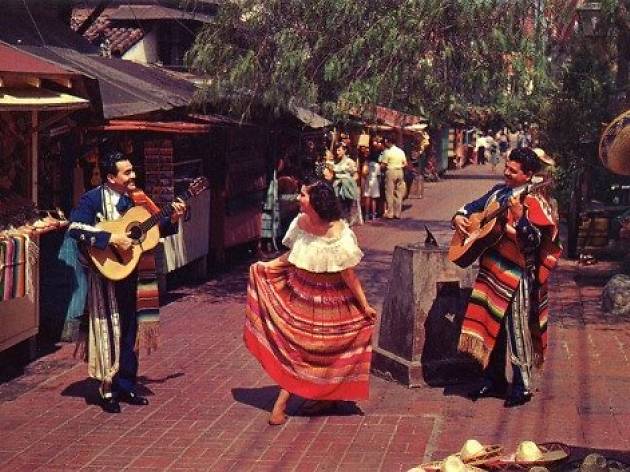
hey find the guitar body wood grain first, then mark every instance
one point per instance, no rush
(482, 235)
(116, 264)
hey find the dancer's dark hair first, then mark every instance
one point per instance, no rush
(324, 200)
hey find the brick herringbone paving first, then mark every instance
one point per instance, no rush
(210, 399)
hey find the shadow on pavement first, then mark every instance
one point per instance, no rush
(145, 380)
(88, 390)
(263, 398)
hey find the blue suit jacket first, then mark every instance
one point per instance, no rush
(90, 204)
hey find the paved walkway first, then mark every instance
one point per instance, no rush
(210, 399)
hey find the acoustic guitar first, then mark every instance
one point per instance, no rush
(139, 225)
(486, 228)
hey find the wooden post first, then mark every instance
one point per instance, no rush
(34, 156)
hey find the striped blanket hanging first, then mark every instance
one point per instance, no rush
(18, 254)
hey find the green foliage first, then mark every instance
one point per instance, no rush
(429, 57)
(571, 119)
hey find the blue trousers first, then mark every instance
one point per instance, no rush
(125, 379)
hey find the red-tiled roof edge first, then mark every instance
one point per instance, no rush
(16, 60)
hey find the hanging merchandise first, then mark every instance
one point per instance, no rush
(18, 255)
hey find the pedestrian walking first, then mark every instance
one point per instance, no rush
(394, 159)
(345, 184)
(372, 191)
(481, 149)
(308, 321)
(508, 307)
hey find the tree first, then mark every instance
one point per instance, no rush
(429, 57)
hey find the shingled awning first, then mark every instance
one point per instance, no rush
(124, 87)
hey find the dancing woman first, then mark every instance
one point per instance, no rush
(308, 321)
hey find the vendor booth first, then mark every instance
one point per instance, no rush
(168, 155)
(36, 99)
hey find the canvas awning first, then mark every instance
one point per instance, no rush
(309, 118)
(39, 99)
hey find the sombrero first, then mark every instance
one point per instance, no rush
(614, 145)
(472, 454)
(543, 157)
(530, 454)
(450, 464)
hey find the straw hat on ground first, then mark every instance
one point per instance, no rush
(472, 455)
(532, 454)
(473, 452)
(614, 145)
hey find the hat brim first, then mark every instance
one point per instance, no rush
(436, 466)
(489, 455)
(552, 453)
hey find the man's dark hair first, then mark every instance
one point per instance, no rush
(107, 162)
(527, 158)
(324, 201)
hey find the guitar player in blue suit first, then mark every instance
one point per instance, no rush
(117, 314)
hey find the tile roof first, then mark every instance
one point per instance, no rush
(111, 23)
(121, 39)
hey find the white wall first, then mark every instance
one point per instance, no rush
(144, 51)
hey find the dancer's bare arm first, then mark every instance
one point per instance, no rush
(352, 281)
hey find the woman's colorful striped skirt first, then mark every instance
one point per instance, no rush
(308, 332)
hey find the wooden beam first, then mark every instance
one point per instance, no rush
(34, 82)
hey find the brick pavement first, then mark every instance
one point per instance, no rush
(210, 399)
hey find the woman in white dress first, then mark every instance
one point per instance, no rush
(372, 189)
(308, 321)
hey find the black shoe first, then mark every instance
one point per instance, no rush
(488, 390)
(110, 405)
(518, 398)
(133, 399)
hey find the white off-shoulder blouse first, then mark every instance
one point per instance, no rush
(322, 254)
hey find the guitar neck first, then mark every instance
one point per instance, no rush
(164, 212)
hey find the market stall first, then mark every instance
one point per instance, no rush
(29, 212)
(37, 99)
(168, 156)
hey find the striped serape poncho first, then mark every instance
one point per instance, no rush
(303, 323)
(500, 271)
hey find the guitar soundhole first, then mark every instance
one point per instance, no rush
(135, 232)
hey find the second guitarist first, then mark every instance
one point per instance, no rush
(507, 311)
(123, 315)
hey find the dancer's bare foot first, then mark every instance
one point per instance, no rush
(276, 419)
(278, 415)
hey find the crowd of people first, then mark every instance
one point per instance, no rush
(476, 146)
(371, 179)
